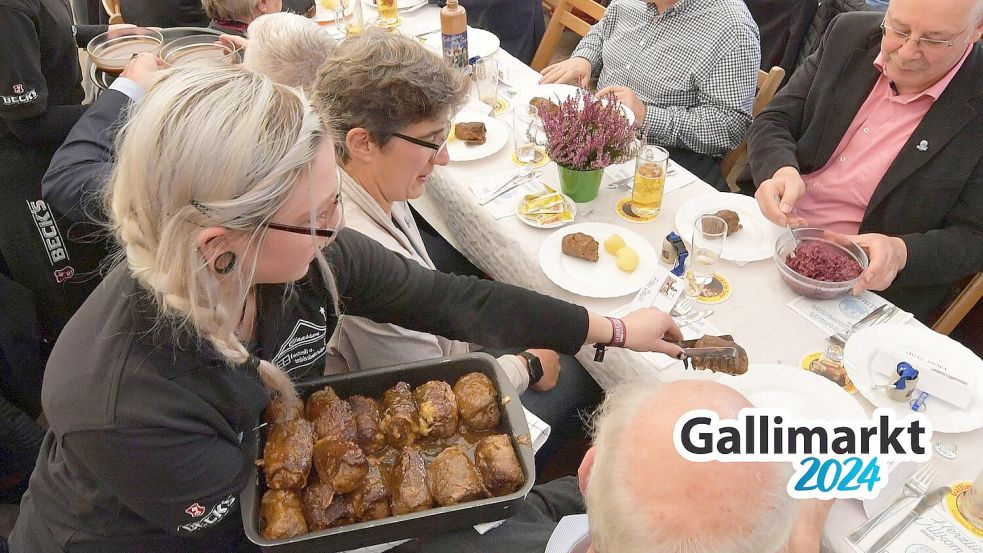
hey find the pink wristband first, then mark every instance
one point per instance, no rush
(619, 334)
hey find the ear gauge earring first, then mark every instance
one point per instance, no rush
(225, 262)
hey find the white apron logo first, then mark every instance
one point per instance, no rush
(304, 347)
(217, 513)
(20, 98)
(44, 220)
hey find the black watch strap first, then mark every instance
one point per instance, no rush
(535, 367)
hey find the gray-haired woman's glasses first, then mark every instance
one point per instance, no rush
(437, 148)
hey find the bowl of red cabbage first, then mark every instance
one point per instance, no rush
(819, 264)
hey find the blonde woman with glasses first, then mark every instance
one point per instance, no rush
(225, 204)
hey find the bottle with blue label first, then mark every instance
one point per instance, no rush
(454, 34)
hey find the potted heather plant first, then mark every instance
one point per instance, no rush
(583, 137)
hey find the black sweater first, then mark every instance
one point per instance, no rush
(145, 426)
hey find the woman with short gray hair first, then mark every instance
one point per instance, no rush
(389, 102)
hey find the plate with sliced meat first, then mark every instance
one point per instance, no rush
(476, 136)
(575, 258)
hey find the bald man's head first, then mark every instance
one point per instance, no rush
(644, 496)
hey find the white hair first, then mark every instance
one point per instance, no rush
(208, 146)
(287, 48)
(620, 524)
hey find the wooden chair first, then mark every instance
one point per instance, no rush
(960, 306)
(735, 162)
(564, 18)
(113, 10)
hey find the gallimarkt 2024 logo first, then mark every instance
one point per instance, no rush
(832, 459)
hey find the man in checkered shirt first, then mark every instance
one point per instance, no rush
(686, 68)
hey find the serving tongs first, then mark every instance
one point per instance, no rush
(716, 359)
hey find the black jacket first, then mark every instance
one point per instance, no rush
(145, 426)
(932, 199)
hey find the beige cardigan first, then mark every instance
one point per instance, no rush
(360, 344)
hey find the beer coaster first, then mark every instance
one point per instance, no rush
(717, 291)
(541, 159)
(834, 372)
(952, 505)
(632, 217)
(500, 107)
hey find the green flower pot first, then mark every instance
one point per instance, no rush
(581, 186)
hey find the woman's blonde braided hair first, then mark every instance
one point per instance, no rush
(207, 147)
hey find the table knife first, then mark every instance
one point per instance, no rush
(694, 358)
(927, 502)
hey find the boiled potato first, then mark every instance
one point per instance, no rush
(627, 259)
(613, 244)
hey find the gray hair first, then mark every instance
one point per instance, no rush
(384, 82)
(619, 523)
(287, 47)
(207, 146)
(236, 10)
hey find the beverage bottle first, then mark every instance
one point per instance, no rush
(454, 34)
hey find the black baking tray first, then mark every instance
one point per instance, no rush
(427, 523)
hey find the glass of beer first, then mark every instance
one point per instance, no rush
(706, 245)
(650, 181)
(388, 14)
(486, 78)
(524, 121)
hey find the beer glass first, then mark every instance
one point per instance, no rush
(525, 121)
(650, 181)
(970, 503)
(388, 14)
(706, 245)
(486, 77)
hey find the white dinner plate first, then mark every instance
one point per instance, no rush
(866, 348)
(571, 205)
(803, 394)
(603, 278)
(402, 6)
(496, 137)
(556, 92)
(480, 42)
(755, 240)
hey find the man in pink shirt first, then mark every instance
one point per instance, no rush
(879, 135)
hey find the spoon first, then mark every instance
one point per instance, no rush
(794, 239)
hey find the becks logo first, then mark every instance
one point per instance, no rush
(195, 510)
(44, 220)
(217, 513)
(61, 275)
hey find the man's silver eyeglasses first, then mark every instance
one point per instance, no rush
(922, 42)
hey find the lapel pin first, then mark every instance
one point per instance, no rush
(922, 146)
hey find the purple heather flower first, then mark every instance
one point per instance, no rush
(588, 133)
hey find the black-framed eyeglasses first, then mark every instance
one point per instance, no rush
(921, 42)
(320, 232)
(437, 148)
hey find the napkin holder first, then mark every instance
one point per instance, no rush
(949, 383)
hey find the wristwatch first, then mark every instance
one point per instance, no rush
(535, 367)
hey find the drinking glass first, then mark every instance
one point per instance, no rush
(388, 14)
(650, 181)
(525, 121)
(336, 9)
(355, 24)
(709, 235)
(486, 77)
(970, 502)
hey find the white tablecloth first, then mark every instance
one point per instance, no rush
(756, 314)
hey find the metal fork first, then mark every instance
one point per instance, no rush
(916, 486)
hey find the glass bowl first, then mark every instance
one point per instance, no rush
(809, 287)
(198, 47)
(112, 50)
